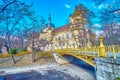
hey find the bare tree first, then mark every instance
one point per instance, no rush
(112, 34)
(12, 13)
(111, 13)
(110, 17)
(98, 2)
(86, 19)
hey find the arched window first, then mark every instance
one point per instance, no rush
(67, 36)
(59, 38)
(56, 38)
(63, 37)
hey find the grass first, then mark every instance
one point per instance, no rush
(43, 54)
(6, 55)
(38, 54)
(118, 78)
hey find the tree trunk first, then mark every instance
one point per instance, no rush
(33, 50)
(0, 51)
(33, 56)
(9, 42)
(12, 58)
(22, 43)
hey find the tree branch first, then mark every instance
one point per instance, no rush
(8, 5)
(114, 10)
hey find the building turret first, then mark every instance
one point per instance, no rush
(49, 18)
(50, 25)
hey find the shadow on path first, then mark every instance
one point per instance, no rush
(40, 75)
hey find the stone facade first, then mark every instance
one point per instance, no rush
(72, 35)
(107, 68)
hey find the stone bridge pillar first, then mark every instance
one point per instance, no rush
(107, 68)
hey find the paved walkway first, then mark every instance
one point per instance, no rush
(43, 69)
(40, 75)
(46, 72)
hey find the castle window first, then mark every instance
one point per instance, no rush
(59, 44)
(59, 38)
(67, 36)
(56, 38)
(55, 45)
(62, 37)
(63, 44)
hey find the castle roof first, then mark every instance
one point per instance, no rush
(62, 28)
(49, 25)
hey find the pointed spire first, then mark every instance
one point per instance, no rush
(76, 9)
(49, 18)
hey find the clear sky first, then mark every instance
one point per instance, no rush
(61, 9)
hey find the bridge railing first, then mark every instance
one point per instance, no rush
(90, 51)
(111, 51)
(99, 51)
(112, 48)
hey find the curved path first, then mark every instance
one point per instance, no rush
(47, 72)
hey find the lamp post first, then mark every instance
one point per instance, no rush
(102, 51)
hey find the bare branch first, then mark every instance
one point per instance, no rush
(8, 5)
(4, 1)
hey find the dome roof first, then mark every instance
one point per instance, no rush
(50, 25)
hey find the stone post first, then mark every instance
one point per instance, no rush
(102, 51)
(114, 52)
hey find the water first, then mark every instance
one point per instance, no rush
(83, 65)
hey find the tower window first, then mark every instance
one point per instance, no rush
(62, 37)
(67, 36)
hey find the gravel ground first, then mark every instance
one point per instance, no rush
(46, 72)
(42, 69)
(24, 60)
(40, 75)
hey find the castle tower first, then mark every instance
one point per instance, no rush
(49, 18)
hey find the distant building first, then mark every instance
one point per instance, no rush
(4, 49)
(16, 42)
(73, 35)
(34, 37)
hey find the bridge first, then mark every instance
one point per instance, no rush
(88, 54)
(88, 57)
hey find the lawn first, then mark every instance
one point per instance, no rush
(6, 55)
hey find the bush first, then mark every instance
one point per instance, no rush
(22, 53)
(117, 78)
(14, 51)
(24, 49)
(6, 55)
(38, 50)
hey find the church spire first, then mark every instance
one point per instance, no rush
(49, 18)
(49, 24)
(76, 9)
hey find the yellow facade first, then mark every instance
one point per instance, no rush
(73, 35)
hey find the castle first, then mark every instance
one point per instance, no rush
(73, 35)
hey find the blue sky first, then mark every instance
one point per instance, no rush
(61, 9)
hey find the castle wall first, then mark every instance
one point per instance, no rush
(107, 68)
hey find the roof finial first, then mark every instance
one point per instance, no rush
(76, 9)
(49, 18)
